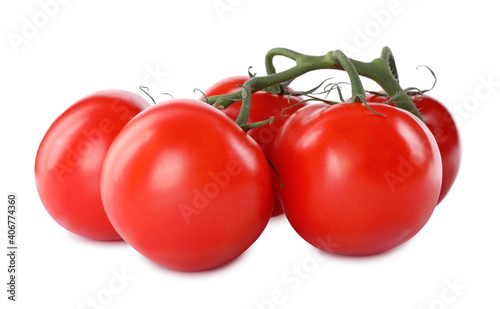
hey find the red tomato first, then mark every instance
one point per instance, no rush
(70, 157)
(357, 183)
(186, 187)
(439, 120)
(264, 105)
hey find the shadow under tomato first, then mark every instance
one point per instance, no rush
(103, 243)
(213, 270)
(370, 257)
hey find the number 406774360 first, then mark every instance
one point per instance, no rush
(11, 219)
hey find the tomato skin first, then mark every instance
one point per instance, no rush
(356, 183)
(186, 187)
(264, 106)
(70, 157)
(440, 121)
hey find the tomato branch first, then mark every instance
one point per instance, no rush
(388, 57)
(381, 70)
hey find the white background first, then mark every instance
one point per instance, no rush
(79, 47)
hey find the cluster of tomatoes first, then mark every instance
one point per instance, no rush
(186, 187)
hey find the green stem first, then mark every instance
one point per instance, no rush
(388, 57)
(358, 92)
(270, 69)
(377, 70)
(303, 65)
(253, 125)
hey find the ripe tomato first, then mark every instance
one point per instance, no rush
(70, 157)
(186, 187)
(439, 120)
(355, 182)
(264, 105)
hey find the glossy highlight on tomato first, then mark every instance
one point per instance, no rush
(444, 129)
(70, 157)
(186, 187)
(264, 105)
(355, 182)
